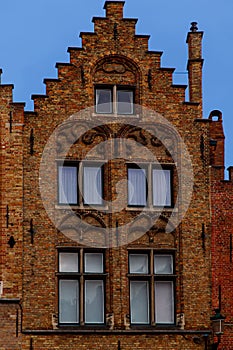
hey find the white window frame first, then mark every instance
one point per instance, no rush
(114, 99)
(80, 278)
(149, 185)
(98, 200)
(61, 192)
(152, 278)
(80, 195)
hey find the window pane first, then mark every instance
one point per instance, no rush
(68, 262)
(163, 264)
(138, 263)
(125, 102)
(139, 302)
(161, 187)
(164, 302)
(92, 185)
(68, 301)
(67, 177)
(94, 262)
(136, 186)
(103, 101)
(94, 301)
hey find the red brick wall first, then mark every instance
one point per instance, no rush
(222, 255)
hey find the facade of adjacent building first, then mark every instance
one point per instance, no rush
(112, 192)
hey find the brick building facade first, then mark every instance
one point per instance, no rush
(88, 259)
(222, 213)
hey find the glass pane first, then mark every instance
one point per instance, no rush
(68, 262)
(161, 187)
(67, 177)
(125, 102)
(94, 301)
(68, 301)
(139, 302)
(164, 302)
(92, 185)
(136, 186)
(103, 101)
(163, 264)
(94, 262)
(138, 263)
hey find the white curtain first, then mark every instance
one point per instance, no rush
(94, 262)
(68, 301)
(124, 102)
(103, 101)
(161, 187)
(136, 186)
(94, 301)
(92, 185)
(138, 263)
(139, 302)
(163, 264)
(68, 262)
(67, 177)
(164, 302)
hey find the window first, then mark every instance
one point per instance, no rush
(161, 179)
(137, 186)
(151, 288)
(149, 186)
(114, 100)
(68, 184)
(81, 287)
(92, 185)
(89, 177)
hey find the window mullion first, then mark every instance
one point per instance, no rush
(81, 299)
(80, 183)
(152, 293)
(114, 102)
(149, 186)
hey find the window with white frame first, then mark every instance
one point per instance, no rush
(149, 185)
(114, 100)
(137, 186)
(68, 183)
(80, 184)
(81, 287)
(151, 283)
(92, 185)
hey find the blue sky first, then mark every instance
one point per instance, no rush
(34, 35)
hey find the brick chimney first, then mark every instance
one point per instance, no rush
(195, 63)
(114, 9)
(230, 172)
(217, 144)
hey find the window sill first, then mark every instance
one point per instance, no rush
(105, 330)
(81, 207)
(154, 209)
(115, 115)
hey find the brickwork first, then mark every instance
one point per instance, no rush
(113, 55)
(10, 321)
(221, 247)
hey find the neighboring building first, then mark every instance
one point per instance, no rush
(89, 260)
(222, 231)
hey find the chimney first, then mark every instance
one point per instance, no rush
(230, 171)
(114, 9)
(217, 143)
(195, 63)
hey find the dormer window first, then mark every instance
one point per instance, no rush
(114, 100)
